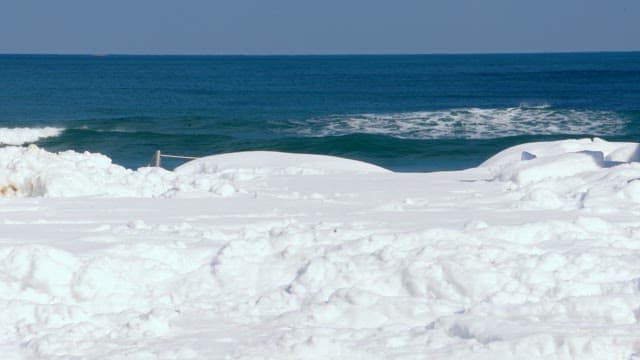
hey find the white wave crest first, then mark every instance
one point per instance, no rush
(21, 136)
(471, 123)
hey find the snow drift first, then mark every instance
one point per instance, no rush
(266, 255)
(31, 171)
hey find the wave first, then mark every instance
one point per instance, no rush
(469, 123)
(21, 136)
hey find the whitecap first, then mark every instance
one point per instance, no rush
(469, 123)
(21, 136)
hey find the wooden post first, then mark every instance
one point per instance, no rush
(158, 155)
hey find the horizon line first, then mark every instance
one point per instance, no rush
(320, 54)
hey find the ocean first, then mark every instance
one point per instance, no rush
(402, 112)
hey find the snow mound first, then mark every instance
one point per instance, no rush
(20, 136)
(272, 162)
(556, 174)
(612, 151)
(584, 173)
(32, 172)
(558, 166)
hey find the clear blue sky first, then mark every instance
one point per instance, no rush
(317, 27)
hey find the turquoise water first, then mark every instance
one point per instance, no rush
(406, 113)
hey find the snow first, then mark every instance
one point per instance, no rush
(533, 254)
(31, 171)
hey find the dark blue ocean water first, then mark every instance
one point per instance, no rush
(406, 113)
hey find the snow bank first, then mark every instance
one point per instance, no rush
(20, 136)
(272, 163)
(32, 171)
(534, 254)
(611, 151)
(570, 173)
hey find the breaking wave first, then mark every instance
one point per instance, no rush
(470, 123)
(21, 136)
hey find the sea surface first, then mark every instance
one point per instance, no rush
(405, 113)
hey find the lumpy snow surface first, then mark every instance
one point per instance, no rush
(534, 254)
(31, 171)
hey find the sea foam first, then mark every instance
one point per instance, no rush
(21, 136)
(470, 123)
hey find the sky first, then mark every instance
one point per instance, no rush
(317, 27)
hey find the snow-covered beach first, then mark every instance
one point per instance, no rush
(533, 254)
